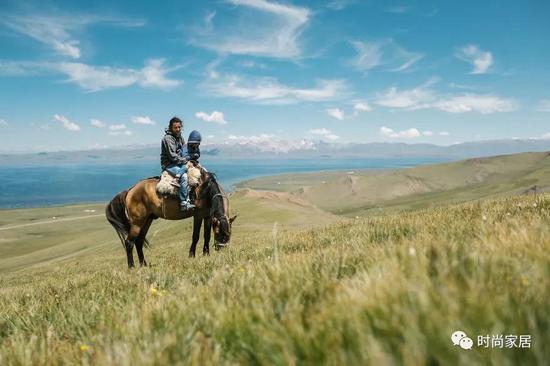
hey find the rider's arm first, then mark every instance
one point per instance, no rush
(170, 148)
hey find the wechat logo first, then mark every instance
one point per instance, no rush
(459, 338)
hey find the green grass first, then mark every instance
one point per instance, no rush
(382, 290)
(377, 269)
(379, 192)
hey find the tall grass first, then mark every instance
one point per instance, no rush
(382, 291)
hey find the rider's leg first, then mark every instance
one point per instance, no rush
(184, 193)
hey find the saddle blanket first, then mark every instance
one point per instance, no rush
(169, 185)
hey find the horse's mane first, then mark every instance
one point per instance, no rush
(210, 181)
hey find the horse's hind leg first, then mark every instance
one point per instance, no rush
(207, 232)
(197, 222)
(130, 241)
(129, 244)
(141, 240)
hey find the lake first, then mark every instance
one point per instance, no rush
(39, 185)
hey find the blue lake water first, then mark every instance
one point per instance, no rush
(38, 185)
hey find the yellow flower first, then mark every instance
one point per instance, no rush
(153, 290)
(84, 348)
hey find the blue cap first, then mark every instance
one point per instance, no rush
(194, 137)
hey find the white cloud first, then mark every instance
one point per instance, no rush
(57, 31)
(484, 104)
(369, 55)
(269, 91)
(411, 99)
(71, 126)
(443, 133)
(427, 133)
(546, 136)
(117, 127)
(422, 97)
(95, 78)
(259, 27)
(97, 123)
(544, 105)
(481, 60)
(119, 133)
(325, 133)
(410, 133)
(215, 116)
(383, 53)
(270, 143)
(362, 107)
(3, 122)
(154, 75)
(143, 120)
(336, 113)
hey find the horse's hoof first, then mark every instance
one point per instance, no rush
(191, 255)
(205, 253)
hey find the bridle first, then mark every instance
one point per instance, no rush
(224, 215)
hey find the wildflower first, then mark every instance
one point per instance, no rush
(412, 251)
(484, 218)
(84, 348)
(153, 290)
(535, 204)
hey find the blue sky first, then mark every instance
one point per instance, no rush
(79, 75)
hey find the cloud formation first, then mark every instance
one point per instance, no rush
(143, 120)
(3, 122)
(385, 53)
(266, 90)
(216, 117)
(324, 133)
(481, 60)
(336, 113)
(97, 123)
(96, 78)
(410, 133)
(260, 27)
(67, 124)
(422, 97)
(57, 31)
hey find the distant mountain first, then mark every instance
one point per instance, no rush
(287, 149)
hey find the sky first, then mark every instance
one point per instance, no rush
(78, 74)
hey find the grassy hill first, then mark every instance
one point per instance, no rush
(298, 285)
(375, 192)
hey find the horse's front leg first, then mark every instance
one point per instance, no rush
(207, 232)
(197, 222)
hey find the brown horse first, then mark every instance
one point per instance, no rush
(132, 211)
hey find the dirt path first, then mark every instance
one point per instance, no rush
(50, 221)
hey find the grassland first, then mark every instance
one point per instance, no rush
(361, 193)
(298, 285)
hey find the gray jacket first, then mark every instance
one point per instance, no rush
(171, 150)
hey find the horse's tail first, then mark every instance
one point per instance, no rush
(116, 215)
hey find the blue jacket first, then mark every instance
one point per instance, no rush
(193, 145)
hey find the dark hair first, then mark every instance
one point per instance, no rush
(174, 120)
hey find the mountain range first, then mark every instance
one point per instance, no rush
(288, 149)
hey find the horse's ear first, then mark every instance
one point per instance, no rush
(233, 219)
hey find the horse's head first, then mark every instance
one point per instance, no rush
(219, 211)
(222, 230)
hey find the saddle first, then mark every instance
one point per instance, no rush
(168, 185)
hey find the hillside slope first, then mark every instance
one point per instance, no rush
(378, 291)
(367, 192)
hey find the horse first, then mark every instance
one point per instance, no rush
(132, 211)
